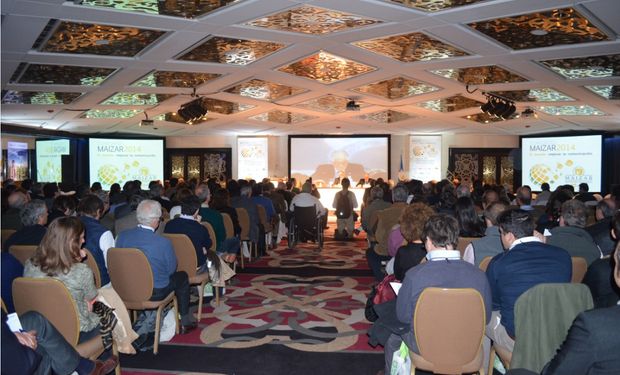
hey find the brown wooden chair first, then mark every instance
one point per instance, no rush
(92, 264)
(212, 235)
(230, 231)
(52, 299)
(188, 261)
(132, 278)
(484, 263)
(23, 252)
(580, 267)
(463, 242)
(455, 345)
(6, 233)
(262, 218)
(244, 223)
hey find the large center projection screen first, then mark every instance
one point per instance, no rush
(562, 161)
(327, 158)
(120, 160)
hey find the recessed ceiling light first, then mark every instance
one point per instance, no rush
(539, 32)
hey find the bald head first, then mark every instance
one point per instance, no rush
(17, 199)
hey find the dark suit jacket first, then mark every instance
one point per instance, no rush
(592, 346)
(601, 233)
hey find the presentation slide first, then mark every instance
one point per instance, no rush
(120, 160)
(17, 158)
(253, 157)
(329, 159)
(49, 159)
(562, 161)
(425, 157)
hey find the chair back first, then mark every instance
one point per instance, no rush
(185, 252)
(50, 298)
(212, 235)
(262, 218)
(23, 252)
(305, 217)
(543, 315)
(6, 233)
(228, 225)
(580, 267)
(484, 263)
(463, 242)
(244, 223)
(454, 346)
(92, 264)
(130, 274)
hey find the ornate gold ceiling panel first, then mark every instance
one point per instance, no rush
(326, 68)
(541, 29)
(84, 38)
(586, 67)
(39, 97)
(607, 92)
(386, 117)
(396, 88)
(535, 95)
(61, 75)
(312, 20)
(224, 107)
(571, 110)
(329, 103)
(110, 113)
(264, 90)
(282, 117)
(174, 8)
(483, 118)
(451, 104)
(160, 78)
(174, 117)
(130, 98)
(231, 51)
(434, 5)
(411, 47)
(480, 75)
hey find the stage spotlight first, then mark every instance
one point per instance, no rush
(508, 112)
(486, 107)
(192, 111)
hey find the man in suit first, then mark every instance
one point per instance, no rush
(592, 344)
(34, 219)
(161, 257)
(339, 168)
(11, 219)
(600, 231)
(571, 235)
(526, 263)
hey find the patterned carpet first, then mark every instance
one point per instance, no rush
(300, 303)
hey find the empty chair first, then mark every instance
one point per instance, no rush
(50, 298)
(188, 262)
(23, 252)
(132, 278)
(455, 345)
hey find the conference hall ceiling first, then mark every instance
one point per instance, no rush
(277, 67)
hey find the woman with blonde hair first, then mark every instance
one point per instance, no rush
(59, 256)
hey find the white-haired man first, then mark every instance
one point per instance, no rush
(161, 257)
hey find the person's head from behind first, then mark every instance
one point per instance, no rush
(17, 200)
(34, 212)
(156, 190)
(605, 208)
(96, 186)
(376, 193)
(149, 213)
(514, 224)
(441, 232)
(306, 188)
(91, 206)
(190, 205)
(181, 194)
(50, 190)
(545, 186)
(233, 188)
(412, 221)
(463, 190)
(60, 247)
(573, 214)
(466, 215)
(345, 183)
(492, 212)
(203, 193)
(583, 187)
(489, 197)
(221, 199)
(524, 196)
(65, 204)
(246, 191)
(400, 194)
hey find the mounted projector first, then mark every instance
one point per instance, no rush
(147, 122)
(352, 106)
(192, 111)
